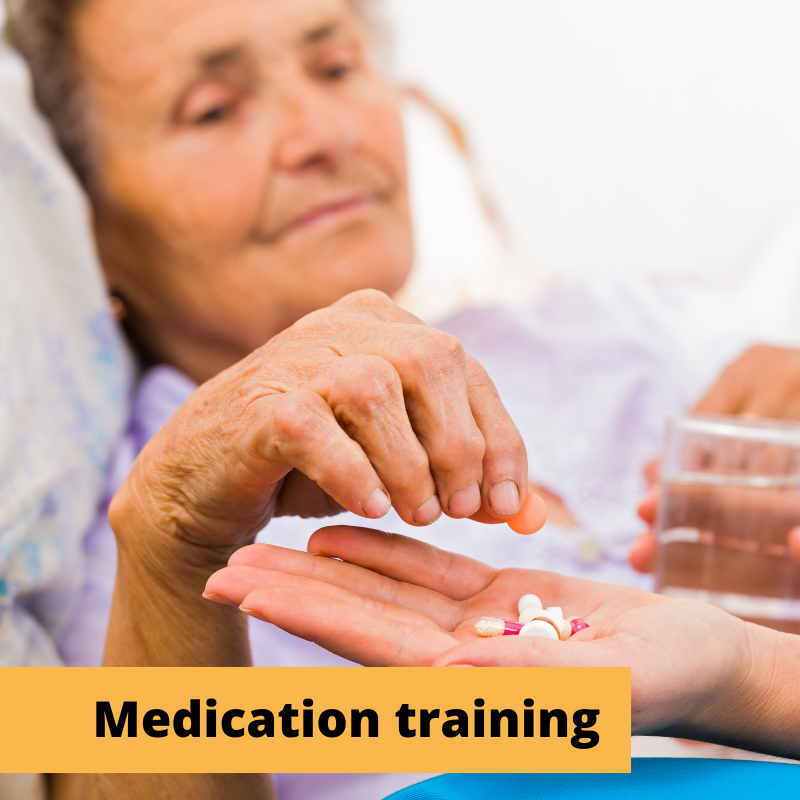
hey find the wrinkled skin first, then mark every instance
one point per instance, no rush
(354, 407)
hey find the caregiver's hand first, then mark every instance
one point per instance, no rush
(642, 555)
(355, 406)
(697, 672)
(763, 382)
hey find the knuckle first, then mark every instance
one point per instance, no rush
(466, 452)
(367, 382)
(365, 299)
(376, 388)
(436, 351)
(413, 478)
(297, 417)
(311, 321)
(478, 376)
(474, 446)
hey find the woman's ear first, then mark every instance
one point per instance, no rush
(117, 307)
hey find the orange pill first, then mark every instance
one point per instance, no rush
(531, 517)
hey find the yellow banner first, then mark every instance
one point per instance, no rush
(315, 720)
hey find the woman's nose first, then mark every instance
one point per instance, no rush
(318, 130)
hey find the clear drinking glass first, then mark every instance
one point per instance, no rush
(730, 494)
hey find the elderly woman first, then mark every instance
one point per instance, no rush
(245, 164)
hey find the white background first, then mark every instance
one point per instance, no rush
(621, 135)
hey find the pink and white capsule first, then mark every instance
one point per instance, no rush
(489, 626)
(578, 625)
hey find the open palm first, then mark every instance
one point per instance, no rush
(386, 600)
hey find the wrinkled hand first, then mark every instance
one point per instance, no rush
(354, 407)
(396, 601)
(763, 382)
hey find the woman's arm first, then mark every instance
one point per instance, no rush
(159, 618)
(357, 406)
(164, 787)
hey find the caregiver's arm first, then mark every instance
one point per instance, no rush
(756, 707)
(697, 672)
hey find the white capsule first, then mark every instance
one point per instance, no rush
(528, 614)
(562, 626)
(555, 610)
(540, 628)
(528, 601)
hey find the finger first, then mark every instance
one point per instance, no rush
(648, 508)
(352, 631)
(304, 433)
(794, 544)
(528, 651)
(725, 396)
(366, 396)
(642, 555)
(769, 459)
(505, 461)
(782, 402)
(231, 585)
(651, 472)
(405, 559)
(433, 369)
(293, 563)
(436, 374)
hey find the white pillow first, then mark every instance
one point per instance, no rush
(65, 377)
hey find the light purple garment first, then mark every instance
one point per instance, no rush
(588, 375)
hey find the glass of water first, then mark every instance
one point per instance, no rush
(730, 494)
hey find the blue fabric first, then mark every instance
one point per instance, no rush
(650, 778)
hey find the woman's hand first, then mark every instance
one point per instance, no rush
(355, 406)
(396, 601)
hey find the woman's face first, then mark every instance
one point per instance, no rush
(250, 167)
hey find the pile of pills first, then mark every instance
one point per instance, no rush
(546, 623)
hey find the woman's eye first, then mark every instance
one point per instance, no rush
(215, 114)
(337, 72)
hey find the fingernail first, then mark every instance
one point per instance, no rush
(248, 611)
(504, 497)
(377, 505)
(460, 665)
(466, 501)
(210, 595)
(428, 512)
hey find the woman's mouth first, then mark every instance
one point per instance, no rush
(334, 211)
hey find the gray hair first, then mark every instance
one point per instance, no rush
(41, 31)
